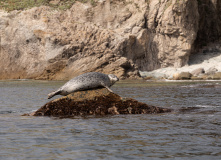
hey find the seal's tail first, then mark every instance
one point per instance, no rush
(52, 94)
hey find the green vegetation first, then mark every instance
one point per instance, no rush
(10, 5)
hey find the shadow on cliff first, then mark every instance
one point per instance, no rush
(141, 51)
(206, 45)
(209, 23)
(205, 56)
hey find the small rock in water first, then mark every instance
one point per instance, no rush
(95, 102)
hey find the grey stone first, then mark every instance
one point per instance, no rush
(198, 71)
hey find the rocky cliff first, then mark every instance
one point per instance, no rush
(113, 36)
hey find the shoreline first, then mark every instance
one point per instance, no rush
(201, 66)
(121, 81)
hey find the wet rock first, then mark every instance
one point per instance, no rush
(216, 76)
(188, 109)
(95, 102)
(196, 78)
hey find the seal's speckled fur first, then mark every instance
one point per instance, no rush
(86, 81)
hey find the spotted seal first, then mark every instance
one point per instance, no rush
(86, 81)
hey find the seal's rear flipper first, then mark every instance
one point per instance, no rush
(52, 94)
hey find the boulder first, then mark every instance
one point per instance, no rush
(216, 76)
(182, 76)
(176, 76)
(211, 71)
(198, 71)
(95, 102)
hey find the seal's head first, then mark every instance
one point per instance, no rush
(113, 78)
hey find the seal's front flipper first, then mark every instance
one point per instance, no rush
(106, 87)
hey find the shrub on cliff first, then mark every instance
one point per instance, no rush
(10, 5)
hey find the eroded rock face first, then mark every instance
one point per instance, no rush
(95, 102)
(119, 37)
(173, 28)
(43, 43)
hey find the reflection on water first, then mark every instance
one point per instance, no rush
(192, 131)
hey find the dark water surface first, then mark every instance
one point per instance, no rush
(192, 131)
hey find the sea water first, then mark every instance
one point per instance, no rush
(191, 131)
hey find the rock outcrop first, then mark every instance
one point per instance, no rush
(172, 27)
(95, 102)
(113, 36)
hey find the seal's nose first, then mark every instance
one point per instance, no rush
(117, 79)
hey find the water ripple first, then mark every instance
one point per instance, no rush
(192, 131)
